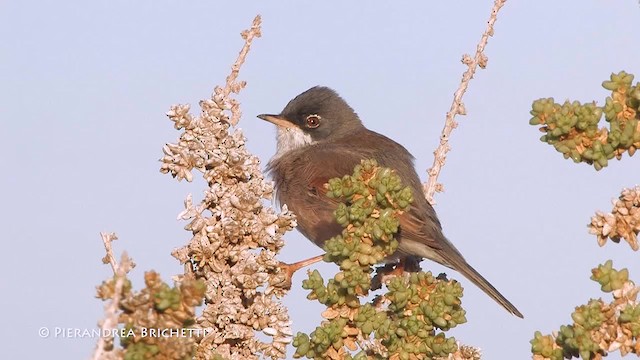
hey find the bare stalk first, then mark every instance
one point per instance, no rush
(457, 107)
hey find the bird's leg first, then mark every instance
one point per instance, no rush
(290, 269)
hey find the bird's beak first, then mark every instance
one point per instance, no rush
(277, 120)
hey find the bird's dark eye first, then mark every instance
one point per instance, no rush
(313, 121)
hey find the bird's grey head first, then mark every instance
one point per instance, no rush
(318, 114)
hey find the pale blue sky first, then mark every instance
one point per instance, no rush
(85, 85)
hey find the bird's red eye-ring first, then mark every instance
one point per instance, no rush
(313, 121)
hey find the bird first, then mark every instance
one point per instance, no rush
(320, 137)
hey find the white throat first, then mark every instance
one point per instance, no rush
(291, 138)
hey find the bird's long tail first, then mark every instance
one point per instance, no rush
(447, 255)
(470, 273)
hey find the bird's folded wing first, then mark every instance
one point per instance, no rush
(413, 222)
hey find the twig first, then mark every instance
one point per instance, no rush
(110, 320)
(107, 239)
(232, 85)
(457, 107)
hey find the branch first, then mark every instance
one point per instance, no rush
(235, 237)
(232, 86)
(457, 107)
(110, 320)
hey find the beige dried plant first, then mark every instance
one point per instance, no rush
(235, 237)
(623, 222)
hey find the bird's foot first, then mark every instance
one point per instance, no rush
(388, 271)
(289, 269)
